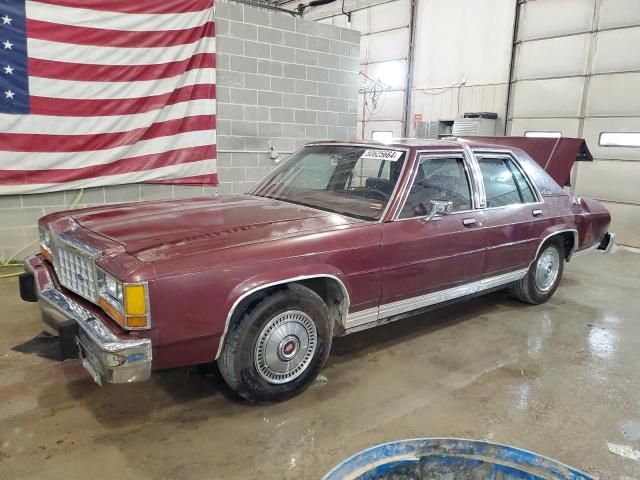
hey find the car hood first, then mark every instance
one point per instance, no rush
(154, 231)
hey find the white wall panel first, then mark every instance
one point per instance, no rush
(391, 106)
(381, 17)
(383, 126)
(625, 222)
(559, 97)
(389, 45)
(567, 126)
(547, 18)
(594, 126)
(614, 95)
(552, 57)
(617, 50)
(619, 13)
(393, 74)
(463, 38)
(595, 178)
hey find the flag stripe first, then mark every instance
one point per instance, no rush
(103, 107)
(117, 73)
(73, 89)
(141, 22)
(124, 165)
(206, 179)
(138, 6)
(71, 34)
(163, 173)
(21, 142)
(37, 124)
(51, 160)
(89, 54)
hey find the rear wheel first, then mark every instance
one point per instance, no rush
(543, 277)
(278, 346)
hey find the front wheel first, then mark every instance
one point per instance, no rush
(278, 346)
(543, 276)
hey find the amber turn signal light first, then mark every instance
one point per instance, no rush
(46, 253)
(135, 300)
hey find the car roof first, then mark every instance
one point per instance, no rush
(446, 142)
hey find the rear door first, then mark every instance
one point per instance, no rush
(514, 217)
(422, 257)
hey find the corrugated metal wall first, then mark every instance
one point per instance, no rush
(577, 72)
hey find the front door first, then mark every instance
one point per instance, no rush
(423, 258)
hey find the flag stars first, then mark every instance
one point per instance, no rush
(7, 45)
(8, 70)
(6, 20)
(8, 94)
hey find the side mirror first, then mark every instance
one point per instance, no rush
(439, 207)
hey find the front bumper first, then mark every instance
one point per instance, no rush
(108, 357)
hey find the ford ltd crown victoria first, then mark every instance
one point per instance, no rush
(341, 237)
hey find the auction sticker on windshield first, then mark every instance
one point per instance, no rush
(375, 154)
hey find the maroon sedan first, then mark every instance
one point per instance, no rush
(339, 238)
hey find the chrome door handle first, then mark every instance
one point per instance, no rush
(536, 213)
(468, 222)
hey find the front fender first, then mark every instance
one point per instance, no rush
(273, 277)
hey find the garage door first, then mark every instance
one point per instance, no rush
(577, 73)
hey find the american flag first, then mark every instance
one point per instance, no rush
(106, 92)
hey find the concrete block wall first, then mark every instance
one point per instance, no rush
(281, 82)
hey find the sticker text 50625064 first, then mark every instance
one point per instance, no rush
(377, 154)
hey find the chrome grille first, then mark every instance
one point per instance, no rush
(75, 269)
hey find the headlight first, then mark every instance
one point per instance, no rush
(45, 243)
(126, 303)
(114, 289)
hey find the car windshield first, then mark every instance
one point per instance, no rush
(351, 180)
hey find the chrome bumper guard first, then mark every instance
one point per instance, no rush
(106, 356)
(608, 242)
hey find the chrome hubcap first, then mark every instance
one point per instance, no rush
(285, 347)
(547, 269)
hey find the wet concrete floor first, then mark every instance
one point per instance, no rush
(560, 379)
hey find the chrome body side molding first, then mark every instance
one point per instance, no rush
(362, 317)
(372, 316)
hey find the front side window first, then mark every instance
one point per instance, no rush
(438, 178)
(350, 180)
(504, 183)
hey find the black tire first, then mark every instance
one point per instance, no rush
(528, 289)
(238, 361)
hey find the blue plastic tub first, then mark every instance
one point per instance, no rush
(450, 459)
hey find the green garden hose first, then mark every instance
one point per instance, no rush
(11, 262)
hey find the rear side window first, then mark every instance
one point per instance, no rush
(504, 183)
